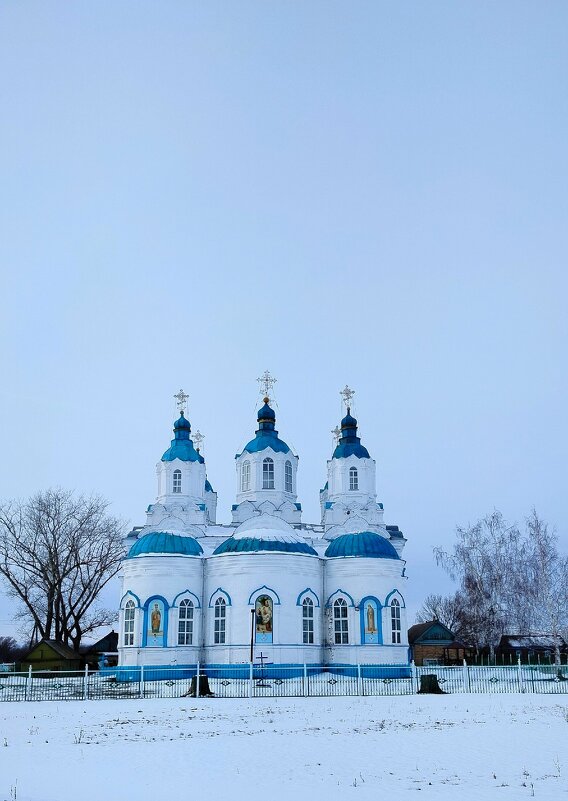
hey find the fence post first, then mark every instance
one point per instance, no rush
(86, 683)
(197, 682)
(465, 677)
(414, 674)
(141, 681)
(250, 681)
(305, 688)
(359, 682)
(28, 684)
(520, 675)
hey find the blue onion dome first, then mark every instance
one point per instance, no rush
(181, 445)
(163, 542)
(208, 487)
(266, 435)
(367, 544)
(349, 443)
(265, 533)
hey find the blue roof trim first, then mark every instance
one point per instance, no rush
(253, 544)
(182, 450)
(181, 445)
(263, 440)
(366, 544)
(208, 487)
(164, 542)
(345, 449)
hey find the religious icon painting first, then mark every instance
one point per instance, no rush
(263, 619)
(156, 621)
(370, 622)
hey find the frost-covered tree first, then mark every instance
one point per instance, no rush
(544, 582)
(509, 580)
(57, 552)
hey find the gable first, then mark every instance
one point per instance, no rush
(434, 634)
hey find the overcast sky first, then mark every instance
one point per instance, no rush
(368, 193)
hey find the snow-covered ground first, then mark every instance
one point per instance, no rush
(454, 746)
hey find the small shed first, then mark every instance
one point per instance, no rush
(432, 643)
(51, 655)
(531, 648)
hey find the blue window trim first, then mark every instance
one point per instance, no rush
(379, 619)
(264, 589)
(166, 616)
(390, 595)
(192, 597)
(133, 597)
(302, 595)
(216, 593)
(343, 594)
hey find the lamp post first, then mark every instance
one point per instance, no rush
(252, 611)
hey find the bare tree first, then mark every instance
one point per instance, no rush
(483, 562)
(57, 552)
(449, 610)
(10, 651)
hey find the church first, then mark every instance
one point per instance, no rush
(267, 584)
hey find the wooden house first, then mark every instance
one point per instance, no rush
(432, 643)
(51, 655)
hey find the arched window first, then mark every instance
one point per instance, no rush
(185, 622)
(268, 474)
(245, 477)
(340, 623)
(288, 477)
(220, 621)
(395, 621)
(307, 621)
(129, 613)
(177, 480)
(353, 479)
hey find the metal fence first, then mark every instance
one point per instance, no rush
(252, 681)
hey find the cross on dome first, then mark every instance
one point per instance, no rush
(198, 438)
(347, 395)
(266, 382)
(336, 434)
(181, 399)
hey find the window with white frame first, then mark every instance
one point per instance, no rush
(395, 621)
(185, 622)
(288, 477)
(220, 621)
(177, 481)
(245, 477)
(353, 479)
(307, 621)
(129, 617)
(268, 473)
(340, 623)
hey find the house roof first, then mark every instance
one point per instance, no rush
(534, 641)
(60, 649)
(107, 644)
(420, 630)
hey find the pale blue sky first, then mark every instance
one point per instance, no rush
(367, 192)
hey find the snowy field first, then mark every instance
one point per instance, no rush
(439, 747)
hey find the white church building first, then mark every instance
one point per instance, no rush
(331, 593)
